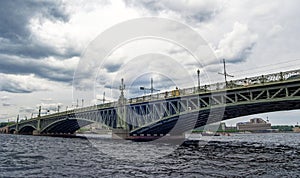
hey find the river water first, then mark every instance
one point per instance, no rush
(240, 155)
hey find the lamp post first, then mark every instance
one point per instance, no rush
(198, 73)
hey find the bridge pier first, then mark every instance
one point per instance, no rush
(120, 133)
(36, 132)
(168, 138)
(67, 135)
(4, 130)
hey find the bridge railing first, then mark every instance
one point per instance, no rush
(233, 84)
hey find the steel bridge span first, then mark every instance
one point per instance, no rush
(176, 111)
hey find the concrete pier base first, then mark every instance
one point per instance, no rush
(4, 130)
(36, 132)
(67, 135)
(120, 134)
(157, 137)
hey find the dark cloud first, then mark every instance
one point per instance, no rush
(242, 55)
(15, 35)
(112, 67)
(153, 5)
(238, 44)
(14, 87)
(21, 84)
(43, 69)
(159, 84)
(6, 104)
(15, 15)
(203, 12)
(202, 16)
(34, 49)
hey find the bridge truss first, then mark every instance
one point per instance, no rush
(182, 109)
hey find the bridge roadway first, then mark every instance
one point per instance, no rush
(177, 111)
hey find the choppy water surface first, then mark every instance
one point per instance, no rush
(251, 155)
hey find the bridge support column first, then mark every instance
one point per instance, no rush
(120, 134)
(38, 127)
(36, 132)
(121, 110)
(121, 117)
(17, 126)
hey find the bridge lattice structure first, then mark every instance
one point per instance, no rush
(179, 110)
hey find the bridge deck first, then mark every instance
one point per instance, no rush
(163, 110)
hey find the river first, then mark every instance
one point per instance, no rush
(240, 155)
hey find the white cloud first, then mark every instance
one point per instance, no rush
(46, 108)
(28, 110)
(4, 98)
(86, 21)
(201, 10)
(191, 10)
(275, 30)
(23, 83)
(3, 117)
(50, 107)
(46, 99)
(237, 45)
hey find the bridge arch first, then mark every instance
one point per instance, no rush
(66, 125)
(201, 116)
(27, 129)
(11, 131)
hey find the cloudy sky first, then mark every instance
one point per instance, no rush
(43, 44)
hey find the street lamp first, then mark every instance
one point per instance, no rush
(198, 73)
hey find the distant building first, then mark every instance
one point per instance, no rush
(296, 129)
(255, 125)
(223, 127)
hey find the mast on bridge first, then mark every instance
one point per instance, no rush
(40, 108)
(103, 100)
(122, 88)
(151, 89)
(17, 124)
(198, 75)
(225, 73)
(121, 111)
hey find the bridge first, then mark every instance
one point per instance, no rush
(174, 112)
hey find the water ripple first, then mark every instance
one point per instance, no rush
(267, 155)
